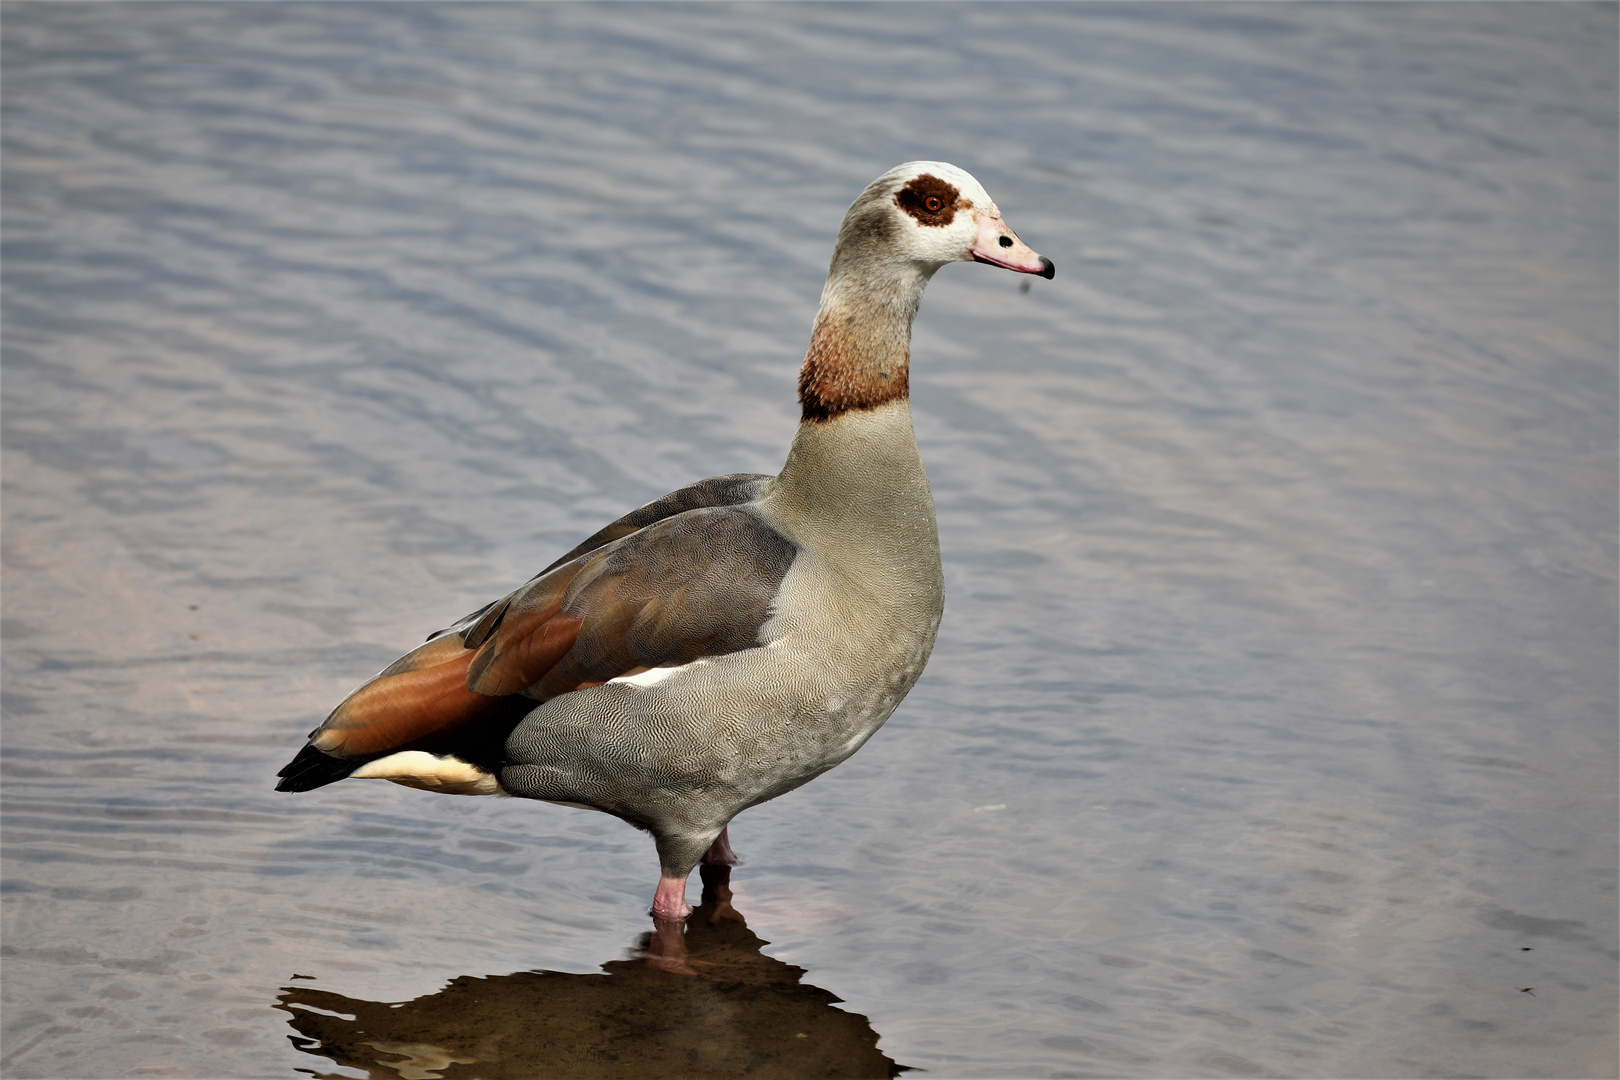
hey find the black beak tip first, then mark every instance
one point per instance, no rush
(1048, 268)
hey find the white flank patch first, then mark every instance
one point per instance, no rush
(652, 676)
(419, 769)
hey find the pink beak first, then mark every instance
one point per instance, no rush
(997, 246)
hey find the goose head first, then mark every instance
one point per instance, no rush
(908, 223)
(921, 215)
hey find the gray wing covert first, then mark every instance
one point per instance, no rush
(733, 489)
(699, 583)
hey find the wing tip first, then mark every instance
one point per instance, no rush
(314, 768)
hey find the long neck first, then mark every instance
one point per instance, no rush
(860, 346)
(854, 459)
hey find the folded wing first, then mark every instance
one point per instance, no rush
(672, 582)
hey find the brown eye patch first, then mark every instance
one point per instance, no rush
(930, 200)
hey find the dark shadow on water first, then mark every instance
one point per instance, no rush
(706, 1003)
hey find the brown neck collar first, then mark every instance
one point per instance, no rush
(847, 369)
(860, 346)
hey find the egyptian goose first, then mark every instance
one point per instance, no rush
(728, 642)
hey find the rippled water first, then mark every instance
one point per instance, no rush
(1272, 726)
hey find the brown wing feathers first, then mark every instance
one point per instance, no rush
(697, 584)
(688, 581)
(438, 688)
(393, 711)
(528, 639)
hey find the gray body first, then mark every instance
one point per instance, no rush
(680, 751)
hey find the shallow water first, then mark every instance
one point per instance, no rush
(1272, 725)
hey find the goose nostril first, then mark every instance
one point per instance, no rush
(1006, 241)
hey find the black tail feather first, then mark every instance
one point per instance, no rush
(482, 744)
(313, 768)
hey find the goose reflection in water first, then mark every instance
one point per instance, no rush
(699, 999)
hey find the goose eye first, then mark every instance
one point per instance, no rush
(933, 204)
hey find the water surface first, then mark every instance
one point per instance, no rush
(1272, 725)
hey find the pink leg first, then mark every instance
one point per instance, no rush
(719, 853)
(670, 900)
